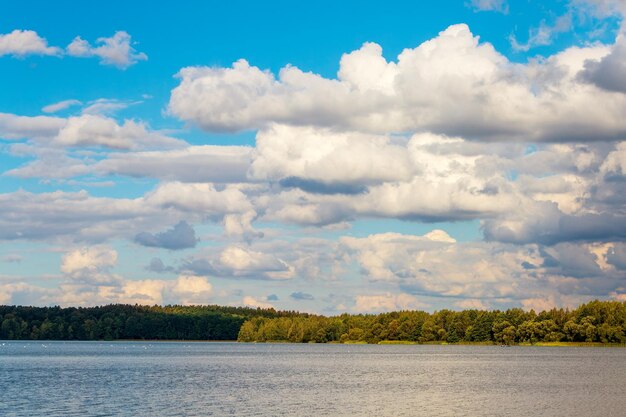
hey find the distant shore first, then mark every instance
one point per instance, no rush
(382, 342)
(597, 323)
(405, 342)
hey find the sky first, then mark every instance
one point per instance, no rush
(326, 157)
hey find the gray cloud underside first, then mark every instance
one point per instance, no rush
(181, 236)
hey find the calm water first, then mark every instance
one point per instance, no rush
(215, 379)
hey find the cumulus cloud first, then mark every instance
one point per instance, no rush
(613, 168)
(240, 225)
(470, 271)
(21, 43)
(202, 198)
(545, 223)
(91, 130)
(76, 216)
(452, 84)
(328, 162)
(22, 293)
(184, 290)
(116, 50)
(83, 285)
(375, 251)
(59, 147)
(554, 193)
(310, 259)
(19, 127)
(538, 304)
(90, 264)
(249, 301)
(80, 217)
(240, 262)
(191, 289)
(83, 131)
(453, 178)
(207, 163)
(181, 236)
(608, 72)
(558, 192)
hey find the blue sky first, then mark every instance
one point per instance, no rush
(376, 157)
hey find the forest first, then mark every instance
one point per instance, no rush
(596, 321)
(114, 322)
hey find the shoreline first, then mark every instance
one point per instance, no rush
(381, 343)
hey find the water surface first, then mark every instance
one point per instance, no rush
(222, 379)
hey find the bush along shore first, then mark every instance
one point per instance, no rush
(597, 323)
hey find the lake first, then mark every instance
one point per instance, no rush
(223, 379)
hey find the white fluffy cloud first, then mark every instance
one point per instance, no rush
(453, 178)
(473, 272)
(58, 215)
(191, 289)
(91, 265)
(22, 293)
(87, 130)
(451, 84)
(90, 130)
(183, 290)
(19, 127)
(88, 281)
(203, 199)
(88, 259)
(328, 157)
(79, 217)
(240, 262)
(249, 301)
(116, 50)
(21, 43)
(312, 176)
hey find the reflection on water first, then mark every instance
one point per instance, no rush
(200, 379)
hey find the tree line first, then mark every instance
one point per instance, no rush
(596, 321)
(118, 321)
